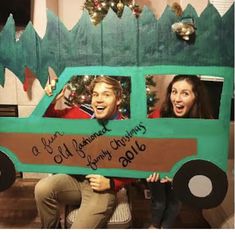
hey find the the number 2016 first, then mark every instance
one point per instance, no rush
(130, 154)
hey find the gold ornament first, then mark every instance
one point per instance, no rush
(185, 28)
(120, 5)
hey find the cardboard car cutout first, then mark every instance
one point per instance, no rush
(135, 147)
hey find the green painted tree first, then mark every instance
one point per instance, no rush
(125, 41)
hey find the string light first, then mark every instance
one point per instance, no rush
(120, 5)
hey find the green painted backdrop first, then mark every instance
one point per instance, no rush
(125, 41)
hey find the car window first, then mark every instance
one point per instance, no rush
(77, 94)
(159, 98)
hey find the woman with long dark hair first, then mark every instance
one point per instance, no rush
(186, 97)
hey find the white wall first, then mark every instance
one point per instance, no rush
(70, 12)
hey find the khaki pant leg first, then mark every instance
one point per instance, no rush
(96, 208)
(52, 191)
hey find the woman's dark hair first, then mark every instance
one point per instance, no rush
(201, 107)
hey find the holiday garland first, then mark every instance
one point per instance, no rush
(98, 9)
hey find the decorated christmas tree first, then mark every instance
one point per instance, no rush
(79, 90)
(151, 95)
(99, 8)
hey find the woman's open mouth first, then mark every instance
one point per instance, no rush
(179, 108)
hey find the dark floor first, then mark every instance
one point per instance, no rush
(18, 209)
(189, 217)
(17, 206)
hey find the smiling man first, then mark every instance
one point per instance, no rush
(95, 194)
(106, 98)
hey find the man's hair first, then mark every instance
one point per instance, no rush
(116, 85)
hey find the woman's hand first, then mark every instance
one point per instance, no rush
(166, 179)
(153, 177)
(98, 182)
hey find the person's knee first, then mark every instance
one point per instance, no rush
(159, 206)
(174, 206)
(41, 190)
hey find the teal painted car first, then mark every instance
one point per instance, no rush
(179, 148)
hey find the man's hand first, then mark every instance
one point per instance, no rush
(48, 89)
(98, 182)
(50, 86)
